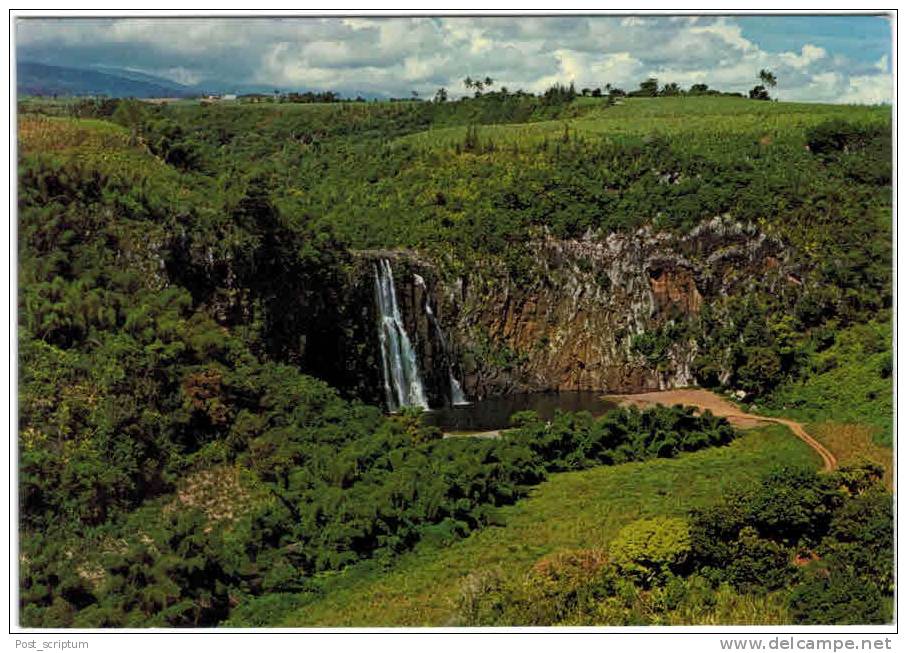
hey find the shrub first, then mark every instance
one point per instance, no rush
(650, 550)
(759, 564)
(837, 135)
(836, 597)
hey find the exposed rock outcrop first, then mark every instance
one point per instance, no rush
(570, 323)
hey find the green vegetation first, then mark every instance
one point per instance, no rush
(327, 483)
(650, 550)
(850, 381)
(181, 465)
(810, 548)
(568, 512)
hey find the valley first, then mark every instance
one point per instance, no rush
(246, 329)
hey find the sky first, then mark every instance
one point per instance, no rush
(815, 58)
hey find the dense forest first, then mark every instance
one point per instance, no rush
(184, 459)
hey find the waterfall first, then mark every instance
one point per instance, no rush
(457, 398)
(456, 392)
(402, 383)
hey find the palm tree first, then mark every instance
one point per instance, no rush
(468, 83)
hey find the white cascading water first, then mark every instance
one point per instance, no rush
(402, 382)
(457, 398)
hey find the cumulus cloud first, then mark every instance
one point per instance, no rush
(808, 55)
(392, 56)
(729, 33)
(868, 89)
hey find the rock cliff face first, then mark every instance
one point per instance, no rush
(571, 322)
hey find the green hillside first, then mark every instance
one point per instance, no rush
(576, 510)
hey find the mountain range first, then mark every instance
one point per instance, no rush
(42, 79)
(33, 78)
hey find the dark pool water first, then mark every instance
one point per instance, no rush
(494, 412)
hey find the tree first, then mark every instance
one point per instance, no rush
(488, 82)
(670, 89)
(648, 88)
(699, 89)
(759, 93)
(468, 83)
(559, 94)
(836, 596)
(131, 114)
(441, 95)
(768, 78)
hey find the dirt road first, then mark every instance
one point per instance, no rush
(705, 400)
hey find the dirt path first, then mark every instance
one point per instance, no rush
(705, 400)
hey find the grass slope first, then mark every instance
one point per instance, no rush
(689, 118)
(851, 383)
(571, 510)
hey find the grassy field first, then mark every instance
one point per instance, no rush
(853, 443)
(681, 116)
(571, 510)
(40, 133)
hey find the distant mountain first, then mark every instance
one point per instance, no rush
(42, 79)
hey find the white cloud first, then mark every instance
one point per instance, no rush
(808, 54)
(588, 70)
(868, 89)
(729, 32)
(825, 85)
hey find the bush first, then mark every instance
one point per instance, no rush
(758, 564)
(651, 550)
(834, 136)
(838, 598)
